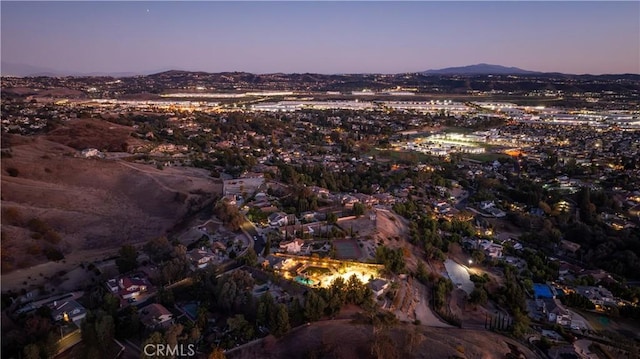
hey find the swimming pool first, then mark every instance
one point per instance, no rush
(304, 281)
(191, 309)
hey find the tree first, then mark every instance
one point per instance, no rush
(478, 256)
(520, 323)
(332, 218)
(358, 209)
(577, 300)
(265, 314)
(159, 249)
(202, 319)
(267, 248)
(129, 325)
(50, 345)
(111, 303)
(544, 344)
(37, 326)
(234, 290)
(194, 334)
(88, 330)
(281, 325)
(296, 312)
(314, 306)
(478, 296)
(250, 258)
(393, 259)
(105, 329)
(217, 353)
(128, 259)
(165, 296)
(154, 339)
(98, 329)
(31, 351)
(421, 273)
(229, 214)
(240, 327)
(587, 209)
(173, 334)
(356, 290)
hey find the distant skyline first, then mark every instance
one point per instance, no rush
(321, 37)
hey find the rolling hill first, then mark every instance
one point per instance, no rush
(480, 69)
(88, 204)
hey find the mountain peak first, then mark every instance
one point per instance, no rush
(480, 69)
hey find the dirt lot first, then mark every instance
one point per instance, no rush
(94, 205)
(343, 339)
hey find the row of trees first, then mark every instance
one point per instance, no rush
(392, 259)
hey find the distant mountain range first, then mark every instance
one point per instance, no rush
(481, 69)
(23, 70)
(13, 69)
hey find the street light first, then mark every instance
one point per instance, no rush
(470, 261)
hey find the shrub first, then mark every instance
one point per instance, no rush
(12, 216)
(34, 249)
(13, 172)
(52, 237)
(37, 225)
(53, 254)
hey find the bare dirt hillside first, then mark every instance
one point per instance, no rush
(342, 339)
(87, 204)
(92, 133)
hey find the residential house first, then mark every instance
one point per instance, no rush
(128, 286)
(294, 246)
(366, 199)
(155, 316)
(490, 207)
(442, 207)
(378, 286)
(272, 261)
(598, 274)
(308, 216)
(496, 212)
(200, 257)
(567, 268)
(278, 219)
(385, 198)
(491, 249)
(348, 201)
(556, 313)
(597, 295)
(569, 246)
(68, 311)
(485, 205)
(319, 191)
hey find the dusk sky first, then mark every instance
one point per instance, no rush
(322, 37)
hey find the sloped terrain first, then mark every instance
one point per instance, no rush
(91, 204)
(91, 133)
(342, 339)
